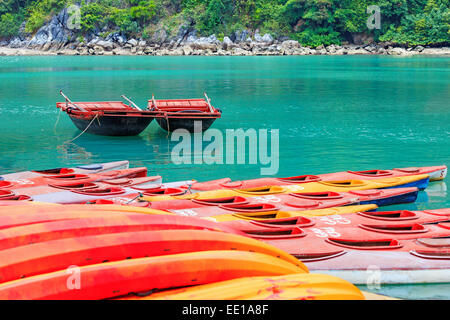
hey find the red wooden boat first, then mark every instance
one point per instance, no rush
(116, 118)
(194, 115)
(108, 118)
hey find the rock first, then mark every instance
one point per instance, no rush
(187, 50)
(46, 46)
(133, 42)
(206, 43)
(397, 51)
(419, 48)
(341, 51)
(185, 31)
(257, 37)
(381, 50)
(356, 51)
(289, 44)
(107, 45)
(267, 38)
(240, 36)
(177, 52)
(227, 44)
(370, 48)
(116, 37)
(331, 48)
(15, 43)
(142, 43)
(240, 52)
(98, 50)
(160, 36)
(320, 47)
(55, 31)
(22, 34)
(93, 42)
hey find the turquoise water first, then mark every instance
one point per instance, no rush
(333, 114)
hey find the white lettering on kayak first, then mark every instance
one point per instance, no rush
(335, 219)
(269, 198)
(23, 182)
(184, 212)
(295, 188)
(326, 232)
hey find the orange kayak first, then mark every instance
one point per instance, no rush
(50, 256)
(54, 230)
(120, 278)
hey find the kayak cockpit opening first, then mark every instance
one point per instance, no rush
(398, 215)
(301, 179)
(56, 171)
(221, 201)
(325, 195)
(365, 244)
(372, 173)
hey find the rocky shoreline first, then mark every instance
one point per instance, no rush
(55, 38)
(219, 48)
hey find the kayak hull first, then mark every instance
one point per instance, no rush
(120, 278)
(398, 199)
(435, 173)
(81, 169)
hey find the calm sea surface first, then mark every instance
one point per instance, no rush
(332, 113)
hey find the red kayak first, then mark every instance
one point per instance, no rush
(48, 184)
(435, 173)
(291, 202)
(120, 278)
(50, 256)
(11, 237)
(81, 169)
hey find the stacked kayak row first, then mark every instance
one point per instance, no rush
(116, 254)
(117, 233)
(127, 185)
(435, 173)
(116, 118)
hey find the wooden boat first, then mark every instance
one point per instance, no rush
(108, 118)
(194, 115)
(116, 118)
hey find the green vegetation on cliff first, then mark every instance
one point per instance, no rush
(311, 22)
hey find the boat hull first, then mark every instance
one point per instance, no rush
(172, 124)
(113, 125)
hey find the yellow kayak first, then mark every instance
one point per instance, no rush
(309, 187)
(306, 286)
(261, 216)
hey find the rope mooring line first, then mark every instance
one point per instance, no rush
(69, 141)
